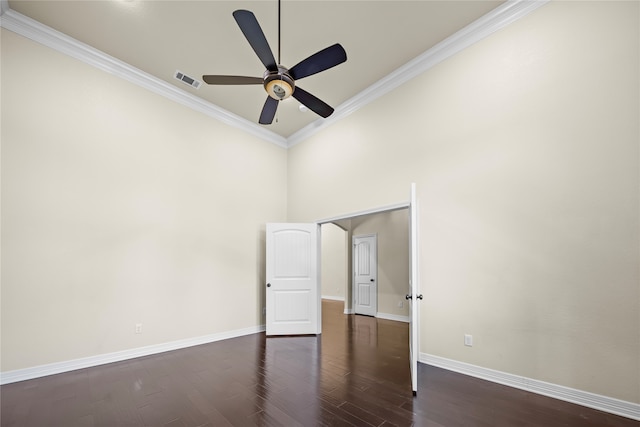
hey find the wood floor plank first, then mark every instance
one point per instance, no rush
(355, 374)
(346, 416)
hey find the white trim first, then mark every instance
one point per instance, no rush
(348, 311)
(388, 208)
(500, 17)
(101, 359)
(396, 317)
(34, 30)
(584, 398)
(332, 298)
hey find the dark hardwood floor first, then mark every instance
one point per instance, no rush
(355, 374)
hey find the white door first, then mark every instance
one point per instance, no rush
(365, 273)
(414, 296)
(293, 305)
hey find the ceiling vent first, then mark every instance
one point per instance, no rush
(187, 80)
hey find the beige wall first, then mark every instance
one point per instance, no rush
(524, 148)
(334, 258)
(122, 207)
(392, 232)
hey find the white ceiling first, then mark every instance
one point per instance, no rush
(201, 37)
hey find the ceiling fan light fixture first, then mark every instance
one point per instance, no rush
(279, 85)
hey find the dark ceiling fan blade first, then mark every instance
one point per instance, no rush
(268, 111)
(251, 29)
(319, 61)
(232, 80)
(314, 104)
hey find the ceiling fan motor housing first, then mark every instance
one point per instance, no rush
(279, 84)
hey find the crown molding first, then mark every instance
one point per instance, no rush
(500, 17)
(38, 32)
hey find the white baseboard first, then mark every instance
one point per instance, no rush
(584, 398)
(386, 316)
(332, 298)
(101, 359)
(396, 317)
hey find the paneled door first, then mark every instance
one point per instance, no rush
(365, 274)
(414, 296)
(292, 298)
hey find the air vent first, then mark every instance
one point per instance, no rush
(187, 80)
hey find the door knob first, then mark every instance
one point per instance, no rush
(419, 296)
(268, 285)
(372, 280)
(408, 296)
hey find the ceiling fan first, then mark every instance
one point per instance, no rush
(279, 81)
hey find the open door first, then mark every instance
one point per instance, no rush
(292, 294)
(414, 288)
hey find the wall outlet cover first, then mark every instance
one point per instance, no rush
(468, 340)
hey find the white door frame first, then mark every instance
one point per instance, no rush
(414, 272)
(381, 209)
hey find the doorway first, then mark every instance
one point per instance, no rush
(338, 282)
(413, 295)
(411, 284)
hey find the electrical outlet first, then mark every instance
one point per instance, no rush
(468, 340)
(138, 328)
